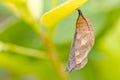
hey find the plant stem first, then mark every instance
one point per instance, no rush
(52, 55)
(22, 50)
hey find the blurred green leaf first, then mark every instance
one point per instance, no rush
(21, 66)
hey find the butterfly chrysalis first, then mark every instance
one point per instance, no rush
(82, 43)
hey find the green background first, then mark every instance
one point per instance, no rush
(104, 58)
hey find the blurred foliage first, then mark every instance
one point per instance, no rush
(23, 46)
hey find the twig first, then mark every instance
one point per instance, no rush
(52, 55)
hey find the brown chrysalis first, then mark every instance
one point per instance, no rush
(82, 43)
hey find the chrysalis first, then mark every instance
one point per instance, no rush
(82, 43)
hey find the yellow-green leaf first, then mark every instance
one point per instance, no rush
(52, 17)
